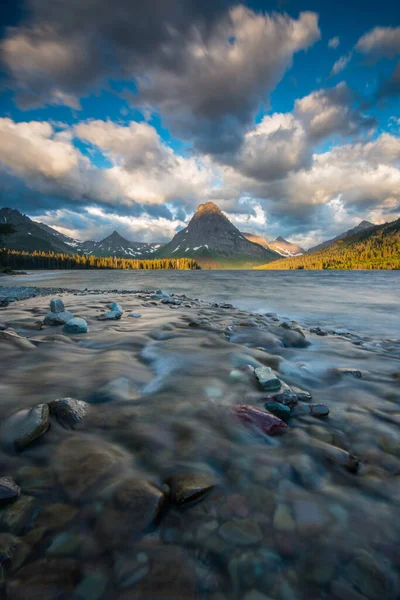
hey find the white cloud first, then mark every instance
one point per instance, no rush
(380, 42)
(341, 64)
(334, 43)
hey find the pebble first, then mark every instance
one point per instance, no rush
(76, 325)
(142, 499)
(309, 517)
(283, 520)
(57, 305)
(25, 426)
(68, 411)
(279, 410)
(267, 378)
(135, 315)
(319, 410)
(259, 419)
(318, 331)
(241, 532)
(189, 486)
(9, 490)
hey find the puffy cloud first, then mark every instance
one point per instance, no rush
(334, 43)
(380, 42)
(341, 64)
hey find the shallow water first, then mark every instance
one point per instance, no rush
(288, 516)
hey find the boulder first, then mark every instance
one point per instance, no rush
(68, 411)
(25, 426)
(76, 325)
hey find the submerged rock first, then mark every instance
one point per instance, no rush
(241, 532)
(189, 486)
(9, 490)
(25, 426)
(68, 411)
(319, 410)
(44, 579)
(372, 577)
(17, 515)
(348, 371)
(13, 551)
(279, 410)
(112, 315)
(58, 318)
(259, 419)
(76, 325)
(318, 331)
(267, 378)
(57, 305)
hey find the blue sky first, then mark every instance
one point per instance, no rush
(127, 116)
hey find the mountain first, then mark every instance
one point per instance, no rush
(285, 248)
(256, 239)
(363, 226)
(214, 242)
(31, 235)
(376, 247)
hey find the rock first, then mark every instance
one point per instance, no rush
(25, 426)
(135, 315)
(76, 325)
(57, 305)
(79, 463)
(17, 515)
(292, 327)
(9, 490)
(114, 306)
(309, 517)
(372, 577)
(142, 499)
(305, 470)
(13, 551)
(283, 520)
(241, 532)
(343, 590)
(130, 568)
(112, 315)
(318, 331)
(36, 481)
(55, 516)
(64, 544)
(279, 410)
(352, 372)
(68, 411)
(4, 301)
(267, 378)
(91, 587)
(337, 456)
(189, 486)
(256, 595)
(44, 579)
(58, 318)
(319, 410)
(259, 419)
(171, 301)
(11, 336)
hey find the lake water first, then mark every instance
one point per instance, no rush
(174, 411)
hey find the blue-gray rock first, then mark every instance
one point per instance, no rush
(319, 410)
(111, 315)
(58, 318)
(68, 411)
(4, 301)
(25, 426)
(9, 490)
(116, 307)
(267, 378)
(76, 325)
(135, 315)
(57, 305)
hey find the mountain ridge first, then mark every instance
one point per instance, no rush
(362, 226)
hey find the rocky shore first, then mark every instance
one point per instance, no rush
(155, 446)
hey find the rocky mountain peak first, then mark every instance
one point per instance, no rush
(208, 208)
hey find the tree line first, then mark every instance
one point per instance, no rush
(16, 259)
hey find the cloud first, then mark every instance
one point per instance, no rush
(334, 43)
(341, 64)
(205, 66)
(380, 42)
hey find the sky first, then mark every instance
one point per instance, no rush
(127, 115)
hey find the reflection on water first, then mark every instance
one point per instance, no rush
(156, 489)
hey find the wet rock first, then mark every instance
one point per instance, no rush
(44, 579)
(13, 551)
(36, 481)
(57, 305)
(337, 456)
(305, 470)
(9, 490)
(130, 568)
(279, 410)
(25, 426)
(292, 327)
(351, 372)
(283, 520)
(241, 532)
(114, 306)
(79, 463)
(226, 305)
(318, 331)
(189, 486)
(142, 499)
(112, 315)
(171, 301)
(17, 515)
(267, 378)
(68, 411)
(4, 301)
(92, 586)
(319, 410)
(372, 577)
(259, 419)
(135, 315)
(76, 325)
(256, 595)
(55, 516)
(343, 590)
(310, 519)
(64, 544)
(58, 318)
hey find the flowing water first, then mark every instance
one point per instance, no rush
(161, 491)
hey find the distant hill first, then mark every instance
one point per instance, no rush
(363, 226)
(214, 242)
(256, 239)
(116, 245)
(376, 247)
(280, 245)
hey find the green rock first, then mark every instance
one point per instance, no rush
(267, 378)
(279, 410)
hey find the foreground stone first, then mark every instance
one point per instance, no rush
(189, 486)
(76, 325)
(267, 378)
(259, 419)
(58, 318)
(68, 411)
(4, 301)
(9, 490)
(112, 315)
(279, 410)
(57, 305)
(25, 426)
(45, 579)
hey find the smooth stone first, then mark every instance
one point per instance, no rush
(130, 568)
(25, 426)
(309, 517)
(189, 486)
(116, 307)
(76, 325)
(283, 520)
(58, 318)
(372, 577)
(79, 463)
(352, 372)
(142, 499)
(319, 410)
(56, 516)
(279, 410)
(36, 481)
(13, 551)
(91, 587)
(4, 301)
(259, 419)
(9, 490)
(57, 305)
(112, 315)
(68, 411)
(17, 515)
(64, 544)
(135, 315)
(44, 579)
(267, 378)
(241, 532)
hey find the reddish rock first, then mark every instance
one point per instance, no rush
(259, 419)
